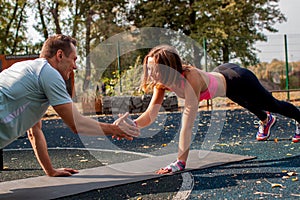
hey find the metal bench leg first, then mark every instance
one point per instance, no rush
(1, 159)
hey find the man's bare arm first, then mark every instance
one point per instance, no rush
(39, 145)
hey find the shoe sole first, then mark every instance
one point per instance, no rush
(269, 132)
(262, 139)
(295, 140)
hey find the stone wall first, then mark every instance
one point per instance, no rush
(131, 104)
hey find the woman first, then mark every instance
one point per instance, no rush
(163, 70)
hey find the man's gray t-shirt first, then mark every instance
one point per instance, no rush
(26, 90)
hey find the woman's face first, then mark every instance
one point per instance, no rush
(150, 66)
(153, 70)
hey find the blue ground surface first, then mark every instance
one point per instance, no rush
(231, 131)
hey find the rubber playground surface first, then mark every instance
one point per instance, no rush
(272, 175)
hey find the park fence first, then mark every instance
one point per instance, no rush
(279, 47)
(284, 47)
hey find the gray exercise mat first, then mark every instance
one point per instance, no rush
(44, 187)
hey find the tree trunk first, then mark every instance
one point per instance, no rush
(14, 49)
(44, 27)
(225, 50)
(5, 42)
(54, 12)
(87, 78)
(12, 19)
(76, 18)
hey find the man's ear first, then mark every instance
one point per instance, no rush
(59, 53)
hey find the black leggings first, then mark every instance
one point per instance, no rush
(244, 88)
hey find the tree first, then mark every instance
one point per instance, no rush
(50, 24)
(175, 15)
(231, 27)
(99, 25)
(89, 22)
(13, 20)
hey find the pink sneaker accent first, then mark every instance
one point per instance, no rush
(264, 130)
(176, 166)
(296, 137)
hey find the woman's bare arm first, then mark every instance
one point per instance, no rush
(149, 116)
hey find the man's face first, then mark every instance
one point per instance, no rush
(68, 64)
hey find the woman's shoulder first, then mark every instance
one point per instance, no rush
(193, 71)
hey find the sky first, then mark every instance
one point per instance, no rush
(291, 9)
(274, 48)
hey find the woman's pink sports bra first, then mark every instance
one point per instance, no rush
(211, 90)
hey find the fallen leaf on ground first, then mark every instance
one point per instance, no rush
(292, 173)
(275, 184)
(295, 179)
(266, 193)
(285, 177)
(224, 144)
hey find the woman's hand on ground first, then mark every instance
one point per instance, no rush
(163, 171)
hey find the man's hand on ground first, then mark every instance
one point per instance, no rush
(63, 172)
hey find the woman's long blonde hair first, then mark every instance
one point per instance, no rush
(167, 68)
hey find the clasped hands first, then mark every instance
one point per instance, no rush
(127, 126)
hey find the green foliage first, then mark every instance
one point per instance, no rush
(129, 83)
(13, 27)
(231, 27)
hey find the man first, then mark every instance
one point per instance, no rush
(28, 88)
